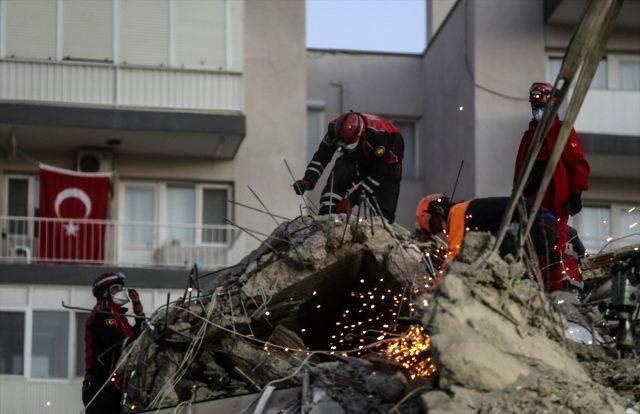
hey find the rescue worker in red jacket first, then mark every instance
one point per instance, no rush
(107, 329)
(570, 179)
(436, 214)
(370, 165)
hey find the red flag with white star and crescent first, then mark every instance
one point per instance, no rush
(73, 210)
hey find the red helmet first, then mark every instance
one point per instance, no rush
(423, 214)
(349, 128)
(540, 92)
(105, 281)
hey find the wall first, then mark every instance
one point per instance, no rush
(437, 11)
(447, 86)
(509, 56)
(378, 83)
(275, 84)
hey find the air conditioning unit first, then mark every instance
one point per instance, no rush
(94, 160)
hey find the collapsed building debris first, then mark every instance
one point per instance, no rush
(347, 311)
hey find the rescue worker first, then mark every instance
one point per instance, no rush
(436, 214)
(570, 179)
(107, 329)
(370, 165)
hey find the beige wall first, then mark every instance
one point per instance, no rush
(510, 55)
(275, 81)
(450, 133)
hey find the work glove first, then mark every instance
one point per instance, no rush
(302, 186)
(135, 300)
(574, 205)
(344, 206)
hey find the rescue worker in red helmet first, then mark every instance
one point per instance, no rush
(436, 214)
(371, 164)
(107, 329)
(570, 179)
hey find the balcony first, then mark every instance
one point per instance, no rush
(30, 240)
(610, 112)
(120, 85)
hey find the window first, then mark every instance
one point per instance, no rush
(214, 210)
(88, 30)
(630, 75)
(600, 78)
(315, 130)
(139, 207)
(181, 214)
(11, 343)
(23, 201)
(409, 163)
(178, 214)
(594, 226)
(628, 225)
(81, 321)
(597, 225)
(50, 344)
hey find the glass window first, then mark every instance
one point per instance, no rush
(315, 130)
(11, 343)
(214, 210)
(181, 213)
(18, 204)
(628, 225)
(408, 131)
(630, 75)
(81, 321)
(594, 227)
(139, 206)
(50, 344)
(600, 78)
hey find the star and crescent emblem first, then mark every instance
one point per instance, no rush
(71, 228)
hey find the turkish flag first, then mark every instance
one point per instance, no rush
(73, 207)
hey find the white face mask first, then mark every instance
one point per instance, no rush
(537, 113)
(120, 298)
(351, 147)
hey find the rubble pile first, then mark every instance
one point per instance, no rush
(499, 345)
(349, 313)
(313, 285)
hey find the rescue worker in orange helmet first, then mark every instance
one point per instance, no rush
(570, 179)
(436, 214)
(107, 330)
(370, 165)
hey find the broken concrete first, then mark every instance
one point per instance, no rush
(497, 341)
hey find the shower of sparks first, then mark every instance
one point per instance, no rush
(412, 351)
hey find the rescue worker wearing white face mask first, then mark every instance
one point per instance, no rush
(107, 329)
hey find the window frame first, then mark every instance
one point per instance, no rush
(611, 80)
(416, 174)
(160, 205)
(614, 208)
(31, 217)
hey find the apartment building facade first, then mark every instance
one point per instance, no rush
(187, 103)
(466, 99)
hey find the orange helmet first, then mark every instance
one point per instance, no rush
(349, 128)
(423, 214)
(540, 92)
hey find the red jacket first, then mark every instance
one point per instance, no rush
(572, 171)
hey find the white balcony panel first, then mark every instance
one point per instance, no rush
(55, 82)
(143, 87)
(610, 112)
(180, 89)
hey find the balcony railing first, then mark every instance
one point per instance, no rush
(119, 243)
(120, 85)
